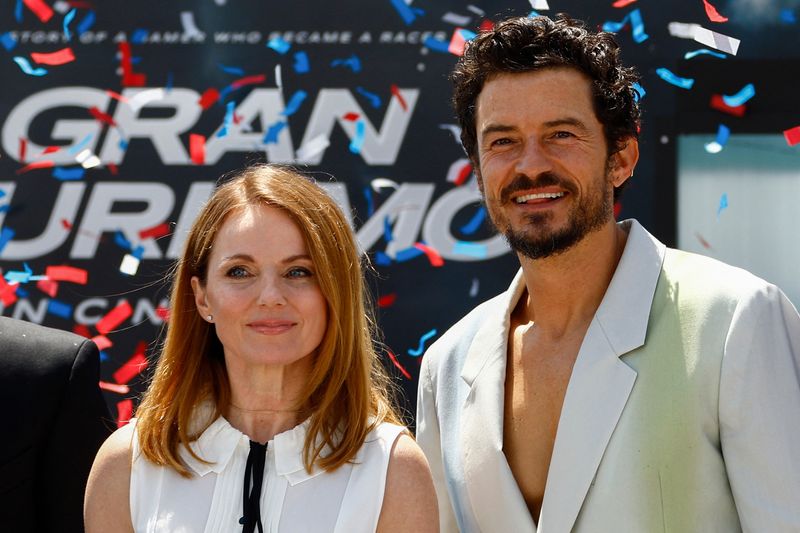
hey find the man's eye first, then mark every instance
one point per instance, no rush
(298, 272)
(563, 135)
(501, 141)
(237, 272)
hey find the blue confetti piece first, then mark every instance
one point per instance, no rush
(59, 308)
(4, 208)
(417, 352)
(26, 67)
(787, 16)
(138, 252)
(279, 45)
(740, 98)
(236, 71)
(294, 103)
(18, 11)
(121, 241)
(352, 62)
(2, 193)
(370, 203)
(272, 132)
(169, 83)
(677, 81)
(139, 36)
(8, 41)
(223, 94)
(637, 25)
(103, 357)
(407, 254)
(406, 12)
(67, 19)
(470, 249)
(301, 64)
(73, 150)
(703, 51)
(374, 99)
(638, 91)
(533, 13)
(382, 259)
(86, 23)
(387, 230)
(723, 133)
(358, 140)
(228, 119)
(68, 174)
(6, 235)
(17, 276)
(123, 144)
(475, 222)
(467, 35)
(436, 45)
(22, 293)
(723, 203)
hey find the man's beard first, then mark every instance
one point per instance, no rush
(593, 210)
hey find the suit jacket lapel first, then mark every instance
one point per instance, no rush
(601, 382)
(494, 496)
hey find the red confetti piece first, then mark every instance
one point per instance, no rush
(702, 241)
(792, 135)
(113, 168)
(163, 313)
(617, 209)
(433, 256)
(208, 98)
(48, 287)
(713, 14)
(129, 77)
(114, 387)
(622, 3)
(102, 342)
(23, 145)
(115, 317)
(102, 117)
(463, 174)
(36, 165)
(396, 93)
(249, 80)
(486, 25)
(8, 293)
(82, 330)
(387, 300)
(117, 96)
(59, 57)
(155, 232)
(66, 223)
(124, 412)
(351, 117)
(133, 367)
(457, 43)
(50, 150)
(398, 365)
(197, 148)
(67, 273)
(42, 10)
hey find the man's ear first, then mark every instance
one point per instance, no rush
(200, 299)
(624, 161)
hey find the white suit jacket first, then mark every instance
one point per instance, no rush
(682, 413)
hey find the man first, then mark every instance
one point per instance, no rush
(617, 385)
(54, 420)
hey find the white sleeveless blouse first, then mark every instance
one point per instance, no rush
(348, 499)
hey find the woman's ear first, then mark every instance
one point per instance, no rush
(200, 299)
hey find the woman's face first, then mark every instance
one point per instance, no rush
(261, 290)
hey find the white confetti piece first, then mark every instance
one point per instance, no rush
(312, 148)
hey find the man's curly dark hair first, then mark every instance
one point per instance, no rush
(524, 44)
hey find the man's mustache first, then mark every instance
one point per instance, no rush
(522, 182)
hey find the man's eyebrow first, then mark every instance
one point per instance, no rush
(497, 128)
(566, 121)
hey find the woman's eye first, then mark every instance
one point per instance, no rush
(298, 272)
(237, 272)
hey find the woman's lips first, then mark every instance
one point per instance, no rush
(271, 327)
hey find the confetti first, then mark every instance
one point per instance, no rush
(396, 93)
(370, 202)
(114, 387)
(387, 230)
(301, 65)
(622, 3)
(669, 77)
(163, 313)
(255, 79)
(100, 116)
(713, 14)
(67, 273)
(278, 76)
(271, 136)
(715, 40)
(223, 131)
(703, 242)
(197, 148)
(312, 147)
(352, 62)
(129, 78)
(740, 98)
(145, 97)
(59, 57)
(792, 136)
(455, 19)
(787, 16)
(406, 12)
(59, 308)
(454, 130)
(133, 366)
(683, 30)
(68, 174)
(637, 25)
(48, 287)
(470, 249)
(65, 24)
(723, 203)
(436, 45)
(474, 288)
(358, 140)
(41, 9)
(407, 254)
(208, 98)
(8, 41)
(475, 222)
(279, 45)
(387, 300)
(115, 317)
(190, 28)
(417, 352)
(716, 146)
(476, 10)
(539, 4)
(459, 171)
(434, 257)
(129, 265)
(121, 241)
(87, 159)
(719, 104)
(382, 259)
(8, 293)
(703, 51)
(294, 103)
(26, 67)
(638, 91)
(155, 232)
(383, 183)
(459, 40)
(139, 36)
(86, 23)
(36, 165)
(374, 99)
(396, 363)
(124, 412)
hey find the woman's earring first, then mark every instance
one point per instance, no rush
(210, 318)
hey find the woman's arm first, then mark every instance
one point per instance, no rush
(409, 502)
(107, 506)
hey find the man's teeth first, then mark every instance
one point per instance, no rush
(539, 196)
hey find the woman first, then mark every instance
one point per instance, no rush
(268, 409)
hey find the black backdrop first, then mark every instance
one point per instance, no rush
(361, 55)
